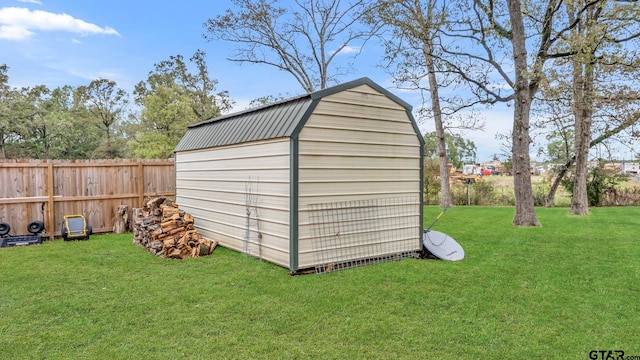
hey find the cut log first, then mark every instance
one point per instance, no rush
(121, 220)
(171, 224)
(176, 231)
(206, 247)
(167, 231)
(188, 218)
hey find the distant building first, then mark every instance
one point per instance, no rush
(630, 168)
(494, 167)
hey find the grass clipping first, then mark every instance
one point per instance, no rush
(165, 230)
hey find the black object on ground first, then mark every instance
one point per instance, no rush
(74, 227)
(34, 227)
(20, 240)
(4, 228)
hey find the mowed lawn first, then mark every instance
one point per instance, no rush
(554, 292)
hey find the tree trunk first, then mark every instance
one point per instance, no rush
(109, 150)
(525, 211)
(556, 183)
(2, 150)
(632, 119)
(445, 189)
(580, 198)
(582, 97)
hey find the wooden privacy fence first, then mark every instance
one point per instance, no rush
(49, 190)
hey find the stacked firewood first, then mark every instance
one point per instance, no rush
(165, 230)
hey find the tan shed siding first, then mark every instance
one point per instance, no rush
(212, 185)
(360, 145)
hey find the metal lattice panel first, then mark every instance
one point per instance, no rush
(356, 233)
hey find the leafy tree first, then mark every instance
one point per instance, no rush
(54, 132)
(41, 123)
(598, 180)
(303, 40)
(207, 103)
(626, 121)
(172, 98)
(432, 179)
(595, 44)
(4, 78)
(459, 150)
(163, 121)
(198, 86)
(265, 100)
(5, 109)
(76, 138)
(38, 122)
(104, 105)
(414, 26)
(19, 109)
(588, 93)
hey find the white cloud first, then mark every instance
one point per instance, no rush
(31, 2)
(239, 105)
(20, 23)
(93, 75)
(349, 50)
(9, 32)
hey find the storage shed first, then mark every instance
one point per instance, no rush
(330, 179)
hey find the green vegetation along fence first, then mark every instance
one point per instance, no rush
(49, 190)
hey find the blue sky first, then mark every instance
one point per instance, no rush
(71, 42)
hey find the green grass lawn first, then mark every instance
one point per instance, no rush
(554, 292)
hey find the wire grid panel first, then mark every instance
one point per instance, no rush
(253, 234)
(361, 232)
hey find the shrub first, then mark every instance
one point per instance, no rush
(621, 197)
(484, 193)
(599, 180)
(431, 181)
(540, 192)
(481, 193)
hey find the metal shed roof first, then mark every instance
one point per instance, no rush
(281, 119)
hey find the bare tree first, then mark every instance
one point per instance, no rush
(411, 49)
(525, 87)
(591, 80)
(488, 47)
(595, 46)
(303, 40)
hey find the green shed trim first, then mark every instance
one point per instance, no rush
(294, 192)
(293, 207)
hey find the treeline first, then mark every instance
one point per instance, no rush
(102, 121)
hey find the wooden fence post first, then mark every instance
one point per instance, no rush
(51, 207)
(140, 183)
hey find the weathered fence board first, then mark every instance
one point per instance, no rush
(48, 190)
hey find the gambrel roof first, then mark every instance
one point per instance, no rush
(281, 119)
